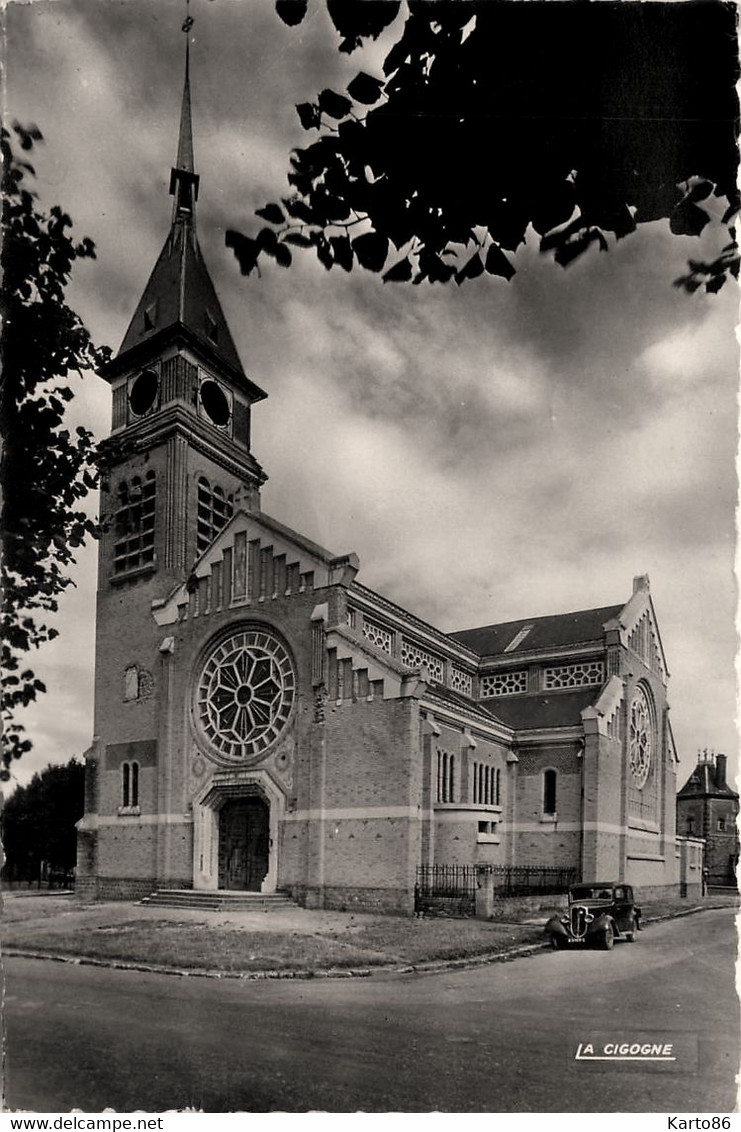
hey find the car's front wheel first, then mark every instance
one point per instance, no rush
(608, 939)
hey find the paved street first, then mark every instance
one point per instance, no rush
(500, 1038)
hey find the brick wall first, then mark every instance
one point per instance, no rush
(363, 771)
(538, 839)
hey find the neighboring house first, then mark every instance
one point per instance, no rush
(707, 807)
(264, 721)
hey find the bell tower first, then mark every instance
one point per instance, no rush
(179, 449)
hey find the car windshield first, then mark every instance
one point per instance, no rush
(594, 893)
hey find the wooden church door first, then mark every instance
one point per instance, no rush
(244, 844)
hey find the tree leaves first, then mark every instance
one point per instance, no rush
(291, 12)
(272, 213)
(333, 104)
(38, 821)
(245, 249)
(358, 21)
(310, 115)
(471, 270)
(298, 239)
(455, 154)
(46, 472)
(687, 219)
(401, 272)
(371, 250)
(496, 263)
(342, 251)
(365, 88)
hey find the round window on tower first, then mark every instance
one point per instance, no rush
(143, 392)
(215, 403)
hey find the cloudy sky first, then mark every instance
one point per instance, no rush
(490, 452)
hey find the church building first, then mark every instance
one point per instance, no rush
(265, 722)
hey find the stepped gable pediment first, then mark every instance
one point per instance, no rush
(253, 559)
(398, 681)
(638, 629)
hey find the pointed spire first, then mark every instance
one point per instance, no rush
(179, 301)
(184, 158)
(183, 177)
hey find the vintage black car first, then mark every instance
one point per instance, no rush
(598, 914)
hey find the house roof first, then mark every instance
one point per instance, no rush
(538, 632)
(530, 713)
(702, 782)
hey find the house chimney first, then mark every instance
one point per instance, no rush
(720, 771)
(640, 582)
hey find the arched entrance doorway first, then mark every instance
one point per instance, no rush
(244, 843)
(219, 830)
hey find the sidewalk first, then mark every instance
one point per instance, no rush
(286, 942)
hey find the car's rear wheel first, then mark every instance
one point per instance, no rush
(630, 935)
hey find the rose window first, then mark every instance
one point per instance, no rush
(245, 693)
(640, 738)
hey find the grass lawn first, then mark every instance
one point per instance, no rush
(296, 939)
(301, 941)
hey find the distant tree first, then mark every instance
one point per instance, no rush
(582, 120)
(45, 471)
(38, 821)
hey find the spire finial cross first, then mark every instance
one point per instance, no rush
(188, 21)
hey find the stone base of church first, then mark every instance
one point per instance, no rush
(667, 892)
(398, 901)
(97, 888)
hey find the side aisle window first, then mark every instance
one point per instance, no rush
(549, 791)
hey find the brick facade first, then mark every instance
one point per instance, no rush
(263, 720)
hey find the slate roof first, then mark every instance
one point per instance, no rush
(546, 632)
(702, 782)
(180, 293)
(554, 709)
(180, 298)
(461, 702)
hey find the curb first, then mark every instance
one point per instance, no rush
(423, 968)
(426, 967)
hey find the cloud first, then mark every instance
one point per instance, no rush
(491, 451)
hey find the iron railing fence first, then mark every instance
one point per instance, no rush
(458, 883)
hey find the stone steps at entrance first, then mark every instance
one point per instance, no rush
(217, 901)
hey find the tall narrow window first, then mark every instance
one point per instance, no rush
(215, 509)
(446, 781)
(497, 794)
(549, 792)
(129, 785)
(134, 523)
